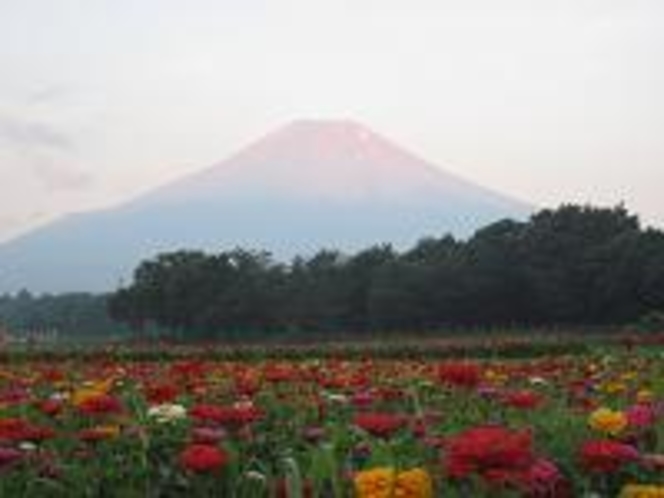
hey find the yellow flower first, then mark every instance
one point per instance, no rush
(645, 396)
(614, 387)
(100, 432)
(494, 377)
(375, 483)
(414, 483)
(608, 421)
(385, 482)
(642, 491)
(627, 376)
(91, 390)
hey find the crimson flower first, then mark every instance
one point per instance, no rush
(460, 374)
(362, 399)
(161, 394)
(203, 458)
(231, 417)
(50, 407)
(379, 424)
(493, 452)
(524, 399)
(101, 404)
(606, 456)
(544, 480)
(18, 429)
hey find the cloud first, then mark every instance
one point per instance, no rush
(47, 153)
(29, 134)
(59, 177)
(49, 94)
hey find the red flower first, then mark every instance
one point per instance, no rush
(52, 375)
(160, 394)
(379, 424)
(493, 452)
(523, 399)
(460, 374)
(188, 369)
(94, 434)
(605, 456)
(544, 480)
(203, 458)
(362, 399)
(231, 417)
(246, 386)
(50, 407)
(100, 405)
(18, 429)
(11, 429)
(280, 373)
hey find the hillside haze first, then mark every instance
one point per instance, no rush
(307, 186)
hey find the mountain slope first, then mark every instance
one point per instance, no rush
(309, 185)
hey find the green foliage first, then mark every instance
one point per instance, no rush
(574, 265)
(75, 314)
(652, 321)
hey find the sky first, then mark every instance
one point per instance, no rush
(550, 102)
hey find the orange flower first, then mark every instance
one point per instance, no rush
(99, 433)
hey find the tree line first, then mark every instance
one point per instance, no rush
(71, 314)
(574, 265)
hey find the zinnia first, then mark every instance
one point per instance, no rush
(385, 482)
(167, 412)
(231, 417)
(9, 456)
(640, 416)
(203, 458)
(642, 491)
(379, 424)
(605, 456)
(524, 400)
(608, 421)
(460, 374)
(100, 404)
(489, 451)
(99, 433)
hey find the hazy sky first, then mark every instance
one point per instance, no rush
(550, 101)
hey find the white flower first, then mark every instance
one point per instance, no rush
(336, 398)
(538, 381)
(244, 404)
(168, 412)
(254, 475)
(58, 396)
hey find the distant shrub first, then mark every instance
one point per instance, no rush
(653, 321)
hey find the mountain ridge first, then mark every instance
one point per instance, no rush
(308, 185)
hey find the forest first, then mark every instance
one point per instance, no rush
(571, 266)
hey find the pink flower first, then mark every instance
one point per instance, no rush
(640, 416)
(8, 456)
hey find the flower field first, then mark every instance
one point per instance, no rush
(112, 424)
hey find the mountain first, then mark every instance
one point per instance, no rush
(308, 185)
